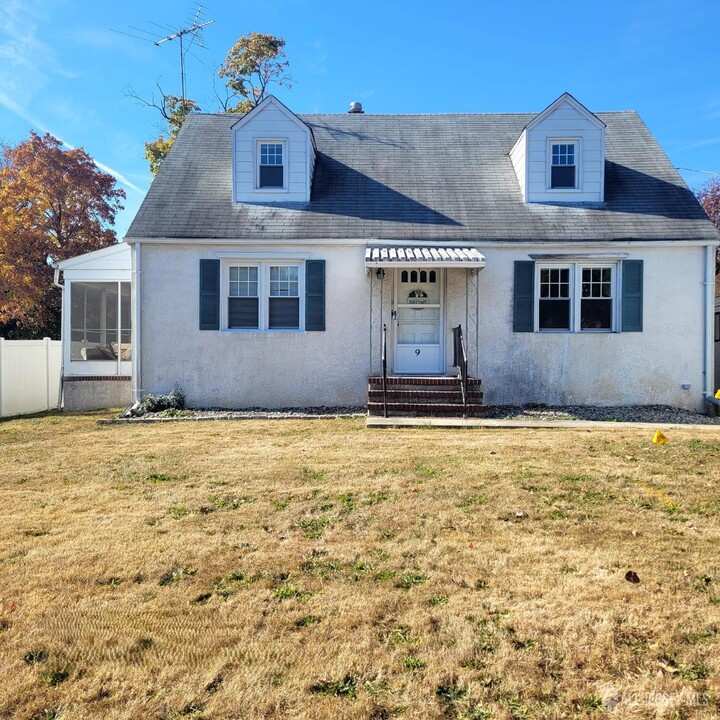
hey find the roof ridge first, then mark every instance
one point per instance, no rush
(419, 114)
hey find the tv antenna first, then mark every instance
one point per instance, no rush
(196, 24)
(193, 30)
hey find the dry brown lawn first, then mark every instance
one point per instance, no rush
(316, 569)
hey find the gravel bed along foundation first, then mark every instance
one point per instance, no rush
(630, 413)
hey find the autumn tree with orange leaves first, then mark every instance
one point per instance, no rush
(54, 204)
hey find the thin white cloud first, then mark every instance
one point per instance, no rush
(38, 125)
(24, 62)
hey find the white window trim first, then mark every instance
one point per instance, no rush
(575, 280)
(577, 142)
(285, 165)
(263, 267)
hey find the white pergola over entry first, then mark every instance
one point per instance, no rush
(441, 257)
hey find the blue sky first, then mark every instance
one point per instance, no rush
(64, 70)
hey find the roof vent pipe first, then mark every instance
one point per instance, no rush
(355, 107)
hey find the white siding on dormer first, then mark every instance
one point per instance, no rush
(565, 122)
(519, 161)
(272, 124)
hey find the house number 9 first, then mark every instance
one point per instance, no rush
(417, 352)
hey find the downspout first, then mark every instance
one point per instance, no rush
(137, 362)
(63, 310)
(709, 286)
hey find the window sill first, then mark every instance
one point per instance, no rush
(598, 331)
(268, 331)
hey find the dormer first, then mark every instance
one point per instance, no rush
(560, 155)
(273, 155)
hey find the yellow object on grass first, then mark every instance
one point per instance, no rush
(659, 438)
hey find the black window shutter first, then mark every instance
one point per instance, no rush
(209, 295)
(315, 295)
(632, 296)
(524, 296)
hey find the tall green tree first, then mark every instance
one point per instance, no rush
(253, 63)
(54, 204)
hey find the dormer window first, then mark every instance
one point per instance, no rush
(271, 167)
(563, 165)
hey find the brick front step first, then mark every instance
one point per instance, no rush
(421, 381)
(425, 395)
(426, 409)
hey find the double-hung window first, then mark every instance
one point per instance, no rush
(243, 298)
(576, 297)
(264, 296)
(271, 165)
(563, 164)
(284, 297)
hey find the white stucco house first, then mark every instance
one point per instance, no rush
(273, 248)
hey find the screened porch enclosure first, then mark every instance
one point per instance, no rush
(100, 327)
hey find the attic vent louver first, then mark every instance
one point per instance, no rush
(355, 107)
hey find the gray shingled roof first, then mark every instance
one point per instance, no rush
(421, 178)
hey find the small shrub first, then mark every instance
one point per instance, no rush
(157, 403)
(438, 600)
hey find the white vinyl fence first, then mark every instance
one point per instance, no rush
(29, 375)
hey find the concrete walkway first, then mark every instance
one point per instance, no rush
(452, 422)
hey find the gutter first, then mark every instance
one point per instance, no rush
(57, 284)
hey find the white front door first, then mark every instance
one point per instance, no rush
(418, 308)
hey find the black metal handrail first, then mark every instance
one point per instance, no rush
(461, 362)
(384, 369)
